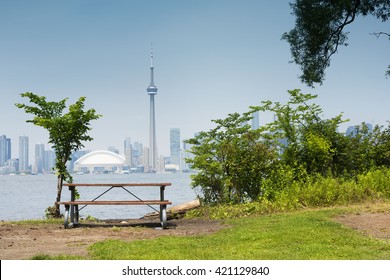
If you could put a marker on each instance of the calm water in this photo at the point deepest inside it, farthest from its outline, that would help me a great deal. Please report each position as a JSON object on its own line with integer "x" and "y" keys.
{"x": 27, "y": 197}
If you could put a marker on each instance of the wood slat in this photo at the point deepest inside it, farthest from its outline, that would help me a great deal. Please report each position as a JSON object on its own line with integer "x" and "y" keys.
{"x": 117, "y": 202}
{"x": 117, "y": 184}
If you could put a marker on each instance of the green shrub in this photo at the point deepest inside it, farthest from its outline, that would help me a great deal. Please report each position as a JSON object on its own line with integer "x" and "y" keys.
{"x": 376, "y": 182}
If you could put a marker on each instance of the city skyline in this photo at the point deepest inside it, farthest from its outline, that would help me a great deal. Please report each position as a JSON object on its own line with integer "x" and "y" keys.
{"x": 39, "y": 157}
{"x": 214, "y": 58}
{"x": 131, "y": 151}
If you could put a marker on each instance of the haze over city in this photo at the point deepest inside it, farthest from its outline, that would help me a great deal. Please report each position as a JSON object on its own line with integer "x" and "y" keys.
{"x": 211, "y": 58}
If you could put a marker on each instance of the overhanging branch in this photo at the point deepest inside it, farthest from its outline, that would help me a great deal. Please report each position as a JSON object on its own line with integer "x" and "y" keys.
{"x": 379, "y": 34}
{"x": 349, "y": 18}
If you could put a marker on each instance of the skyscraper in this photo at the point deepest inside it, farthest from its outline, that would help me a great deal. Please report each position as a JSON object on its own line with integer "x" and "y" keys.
{"x": 255, "y": 120}
{"x": 186, "y": 155}
{"x": 175, "y": 146}
{"x": 23, "y": 154}
{"x": 152, "y": 91}
{"x": 39, "y": 158}
{"x": 113, "y": 149}
{"x": 5, "y": 150}
{"x": 3, "y": 139}
{"x": 127, "y": 150}
{"x": 353, "y": 130}
{"x": 50, "y": 161}
{"x": 137, "y": 154}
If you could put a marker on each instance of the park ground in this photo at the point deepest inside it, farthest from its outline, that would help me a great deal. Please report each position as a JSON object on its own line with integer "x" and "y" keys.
{"x": 25, "y": 240}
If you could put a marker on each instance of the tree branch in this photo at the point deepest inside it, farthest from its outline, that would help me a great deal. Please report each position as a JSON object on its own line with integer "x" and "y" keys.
{"x": 350, "y": 17}
{"x": 378, "y": 34}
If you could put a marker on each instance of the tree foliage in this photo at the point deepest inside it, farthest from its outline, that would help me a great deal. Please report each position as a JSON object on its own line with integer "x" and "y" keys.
{"x": 320, "y": 30}
{"x": 67, "y": 131}
{"x": 231, "y": 161}
{"x": 236, "y": 164}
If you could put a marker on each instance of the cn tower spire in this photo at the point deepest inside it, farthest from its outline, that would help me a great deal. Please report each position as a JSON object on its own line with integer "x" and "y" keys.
{"x": 151, "y": 55}
{"x": 152, "y": 91}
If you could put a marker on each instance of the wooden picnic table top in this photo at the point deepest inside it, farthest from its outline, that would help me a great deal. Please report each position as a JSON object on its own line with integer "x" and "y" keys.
{"x": 117, "y": 184}
{"x": 117, "y": 202}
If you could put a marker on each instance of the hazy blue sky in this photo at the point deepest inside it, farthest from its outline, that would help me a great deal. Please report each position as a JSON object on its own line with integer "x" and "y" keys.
{"x": 211, "y": 58}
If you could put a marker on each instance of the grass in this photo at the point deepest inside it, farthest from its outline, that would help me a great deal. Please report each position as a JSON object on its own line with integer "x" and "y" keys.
{"x": 35, "y": 222}
{"x": 301, "y": 235}
{"x": 43, "y": 257}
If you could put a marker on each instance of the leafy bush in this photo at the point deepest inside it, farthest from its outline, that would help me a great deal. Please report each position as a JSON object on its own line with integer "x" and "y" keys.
{"x": 295, "y": 161}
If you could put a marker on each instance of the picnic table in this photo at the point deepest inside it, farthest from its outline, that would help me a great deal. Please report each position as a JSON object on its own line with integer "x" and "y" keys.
{"x": 71, "y": 215}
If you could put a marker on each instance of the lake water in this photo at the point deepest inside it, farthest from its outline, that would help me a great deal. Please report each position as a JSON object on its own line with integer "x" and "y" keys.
{"x": 27, "y": 197}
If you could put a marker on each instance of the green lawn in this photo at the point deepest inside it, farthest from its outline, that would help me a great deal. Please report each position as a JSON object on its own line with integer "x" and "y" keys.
{"x": 299, "y": 235}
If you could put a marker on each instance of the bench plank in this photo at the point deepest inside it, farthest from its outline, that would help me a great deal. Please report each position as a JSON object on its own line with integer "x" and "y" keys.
{"x": 118, "y": 185}
{"x": 117, "y": 202}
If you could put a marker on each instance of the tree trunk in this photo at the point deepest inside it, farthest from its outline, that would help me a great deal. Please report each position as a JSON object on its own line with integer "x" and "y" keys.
{"x": 60, "y": 181}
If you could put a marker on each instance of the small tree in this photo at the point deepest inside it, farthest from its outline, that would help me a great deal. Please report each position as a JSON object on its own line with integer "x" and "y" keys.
{"x": 67, "y": 132}
{"x": 231, "y": 160}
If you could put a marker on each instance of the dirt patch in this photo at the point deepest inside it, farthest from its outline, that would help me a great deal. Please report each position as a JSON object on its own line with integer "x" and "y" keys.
{"x": 21, "y": 241}
{"x": 376, "y": 225}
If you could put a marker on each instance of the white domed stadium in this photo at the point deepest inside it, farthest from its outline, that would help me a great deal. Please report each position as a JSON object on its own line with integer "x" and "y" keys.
{"x": 100, "y": 161}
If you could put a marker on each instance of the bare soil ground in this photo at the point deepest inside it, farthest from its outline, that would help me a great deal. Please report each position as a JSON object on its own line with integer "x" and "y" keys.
{"x": 22, "y": 241}
{"x": 376, "y": 225}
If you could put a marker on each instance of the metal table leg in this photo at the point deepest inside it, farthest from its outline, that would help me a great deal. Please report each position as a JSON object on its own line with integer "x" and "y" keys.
{"x": 66, "y": 216}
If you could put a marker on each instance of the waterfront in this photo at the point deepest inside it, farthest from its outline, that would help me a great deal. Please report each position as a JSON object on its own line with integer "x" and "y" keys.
{"x": 27, "y": 197}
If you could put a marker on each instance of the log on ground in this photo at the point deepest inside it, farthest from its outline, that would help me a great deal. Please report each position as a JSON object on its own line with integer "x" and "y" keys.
{"x": 177, "y": 211}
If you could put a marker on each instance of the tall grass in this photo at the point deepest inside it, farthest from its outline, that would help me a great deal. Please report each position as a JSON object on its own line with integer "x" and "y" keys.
{"x": 314, "y": 191}
{"x": 328, "y": 191}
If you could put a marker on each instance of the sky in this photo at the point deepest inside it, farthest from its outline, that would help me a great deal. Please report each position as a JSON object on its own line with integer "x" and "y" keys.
{"x": 211, "y": 58}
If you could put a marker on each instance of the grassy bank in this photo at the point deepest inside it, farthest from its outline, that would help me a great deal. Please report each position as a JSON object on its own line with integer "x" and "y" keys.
{"x": 309, "y": 234}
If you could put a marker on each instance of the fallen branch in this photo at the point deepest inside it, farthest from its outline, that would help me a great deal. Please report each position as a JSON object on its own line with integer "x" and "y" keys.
{"x": 176, "y": 211}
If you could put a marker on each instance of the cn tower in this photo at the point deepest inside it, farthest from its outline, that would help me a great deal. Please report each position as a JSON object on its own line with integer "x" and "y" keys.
{"x": 152, "y": 91}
